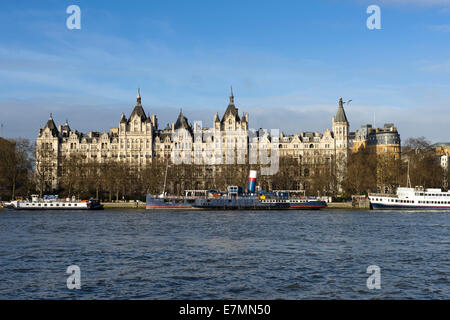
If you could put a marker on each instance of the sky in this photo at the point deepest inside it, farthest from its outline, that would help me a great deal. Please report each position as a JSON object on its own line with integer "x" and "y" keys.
{"x": 289, "y": 62}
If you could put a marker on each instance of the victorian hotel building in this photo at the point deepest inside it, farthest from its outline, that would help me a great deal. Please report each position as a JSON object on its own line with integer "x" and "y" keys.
{"x": 139, "y": 141}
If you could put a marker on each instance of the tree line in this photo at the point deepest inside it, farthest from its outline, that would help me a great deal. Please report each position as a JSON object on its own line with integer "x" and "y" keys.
{"x": 366, "y": 172}
{"x": 370, "y": 173}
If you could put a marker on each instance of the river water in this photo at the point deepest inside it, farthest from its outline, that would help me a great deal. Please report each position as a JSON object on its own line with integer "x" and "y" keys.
{"x": 138, "y": 254}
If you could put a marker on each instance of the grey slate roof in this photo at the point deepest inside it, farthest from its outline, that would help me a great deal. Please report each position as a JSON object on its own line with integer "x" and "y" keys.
{"x": 182, "y": 123}
{"x": 138, "y": 110}
{"x": 231, "y": 109}
{"x": 51, "y": 125}
{"x": 340, "y": 115}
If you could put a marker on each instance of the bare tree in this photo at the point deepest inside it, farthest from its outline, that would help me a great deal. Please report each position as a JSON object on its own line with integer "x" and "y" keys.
{"x": 15, "y": 165}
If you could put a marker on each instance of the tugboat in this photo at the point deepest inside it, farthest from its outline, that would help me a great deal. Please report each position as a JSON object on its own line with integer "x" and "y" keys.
{"x": 236, "y": 199}
{"x": 51, "y": 202}
{"x": 233, "y": 199}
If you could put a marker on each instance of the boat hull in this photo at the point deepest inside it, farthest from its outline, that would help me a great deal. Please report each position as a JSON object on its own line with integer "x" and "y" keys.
{"x": 45, "y": 206}
{"x": 255, "y": 204}
{"x": 311, "y": 205}
{"x": 382, "y": 206}
{"x": 153, "y": 203}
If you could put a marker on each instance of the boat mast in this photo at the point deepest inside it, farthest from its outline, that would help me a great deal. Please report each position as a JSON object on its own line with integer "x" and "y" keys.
{"x": 165, "y": 178}
{"x": 408, "y": 181}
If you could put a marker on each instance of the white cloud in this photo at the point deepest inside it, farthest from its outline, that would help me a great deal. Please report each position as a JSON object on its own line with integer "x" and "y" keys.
{"x": 440, "y": 28}
{"x": 429, "y": 66}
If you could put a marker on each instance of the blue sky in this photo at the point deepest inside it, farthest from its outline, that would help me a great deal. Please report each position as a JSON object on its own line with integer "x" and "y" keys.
{"x": 288, "y": 62}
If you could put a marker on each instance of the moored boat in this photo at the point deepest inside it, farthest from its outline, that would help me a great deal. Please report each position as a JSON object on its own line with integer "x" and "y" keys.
{"x": 416, "y": 198}
{"x": 254, "y": 203}
{"x": 168, "y": 203}
{"x": 51, "y": 202}
{"x": 235, "y": 199}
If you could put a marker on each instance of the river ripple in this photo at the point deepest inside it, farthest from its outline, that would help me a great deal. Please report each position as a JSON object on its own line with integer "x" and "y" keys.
{"x": 138, "y": 254}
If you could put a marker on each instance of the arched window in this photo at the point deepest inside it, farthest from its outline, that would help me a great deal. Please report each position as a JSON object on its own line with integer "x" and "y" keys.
{"x": 306, "y": 172}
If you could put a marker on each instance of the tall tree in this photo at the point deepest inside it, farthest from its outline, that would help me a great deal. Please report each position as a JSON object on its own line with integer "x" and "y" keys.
{"x": 16, "y": 165}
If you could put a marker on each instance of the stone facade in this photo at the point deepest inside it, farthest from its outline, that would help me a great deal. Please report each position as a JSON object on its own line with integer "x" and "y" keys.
{"x": 138, "y": 140}
{"x": 381, "y": 141}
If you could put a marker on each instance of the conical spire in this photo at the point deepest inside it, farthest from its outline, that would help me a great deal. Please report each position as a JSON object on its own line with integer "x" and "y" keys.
{"x": 51, "y": 125}
{"x": 340, "y": 115}
{"x": 66, "y": 125}
{"x": 138, "y": 108}
{"x": 231, "y": 109}
{"x": 231, "y": 96}
{"x": 182, "y": 122}
{"x": 138, "y": 99}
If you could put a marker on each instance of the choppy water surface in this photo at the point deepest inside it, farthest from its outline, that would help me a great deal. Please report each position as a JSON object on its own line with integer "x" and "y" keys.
{"x": 137, "y": 254}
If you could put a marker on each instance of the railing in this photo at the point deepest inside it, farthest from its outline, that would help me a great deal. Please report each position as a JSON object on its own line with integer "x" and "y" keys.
{"x": 383, "y": 195}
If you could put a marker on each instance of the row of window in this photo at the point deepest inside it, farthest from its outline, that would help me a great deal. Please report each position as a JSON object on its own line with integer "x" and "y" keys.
{"x": 433, "y": 195}
{"x": 50, "y": 204}
{"x": 412, "y": 201}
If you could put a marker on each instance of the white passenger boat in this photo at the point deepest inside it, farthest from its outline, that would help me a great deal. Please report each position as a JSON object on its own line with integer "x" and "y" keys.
{"x": 53, "y": 203}
{"x": 416, "y": 198}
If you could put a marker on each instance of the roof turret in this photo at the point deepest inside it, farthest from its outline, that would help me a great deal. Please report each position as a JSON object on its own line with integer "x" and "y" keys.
{"x": 340, "y": 115}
